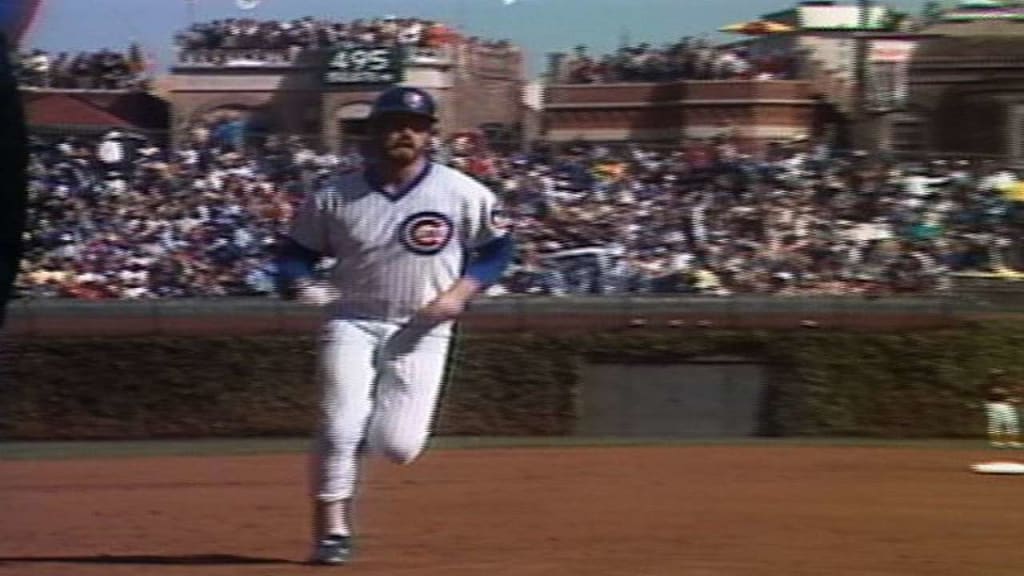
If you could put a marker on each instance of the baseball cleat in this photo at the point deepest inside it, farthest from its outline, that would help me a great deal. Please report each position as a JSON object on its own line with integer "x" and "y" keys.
{"x": 333, "y": 550}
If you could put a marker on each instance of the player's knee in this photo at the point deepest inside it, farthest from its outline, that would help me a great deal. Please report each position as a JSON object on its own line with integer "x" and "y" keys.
{"x": 401, "y": 452}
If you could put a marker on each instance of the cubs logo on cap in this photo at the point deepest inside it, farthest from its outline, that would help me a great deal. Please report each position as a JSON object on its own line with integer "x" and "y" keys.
{"x": 413, "y": 100}
{"x": 405, "y": 100}
{"x": 425, "y": 233}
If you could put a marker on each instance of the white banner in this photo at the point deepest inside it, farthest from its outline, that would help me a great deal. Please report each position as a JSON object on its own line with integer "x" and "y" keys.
{"x": 891, "y": 50}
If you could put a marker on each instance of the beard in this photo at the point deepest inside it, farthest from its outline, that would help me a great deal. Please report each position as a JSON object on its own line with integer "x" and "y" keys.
{"x": 403, "y": 152}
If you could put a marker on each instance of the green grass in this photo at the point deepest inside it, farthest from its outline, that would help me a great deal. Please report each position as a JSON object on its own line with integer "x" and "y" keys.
{"x": 261, "y": 446}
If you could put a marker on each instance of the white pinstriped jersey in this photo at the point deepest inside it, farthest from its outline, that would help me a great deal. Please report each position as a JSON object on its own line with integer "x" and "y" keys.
{"x": 395, "y": 254}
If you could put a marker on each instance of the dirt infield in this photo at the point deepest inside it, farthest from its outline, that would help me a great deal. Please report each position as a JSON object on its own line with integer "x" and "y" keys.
{"x": 653, "y": 511}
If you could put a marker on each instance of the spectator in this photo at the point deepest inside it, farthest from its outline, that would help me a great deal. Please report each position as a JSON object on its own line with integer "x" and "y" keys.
{"x": 688, "y": 59}
{"x": 104, "y": 69}
{"x": 261, "y": 40}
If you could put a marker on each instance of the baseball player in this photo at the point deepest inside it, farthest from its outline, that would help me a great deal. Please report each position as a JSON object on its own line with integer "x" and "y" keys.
{"x": 413, "y": 242}
{"x": 1001, "y": 412}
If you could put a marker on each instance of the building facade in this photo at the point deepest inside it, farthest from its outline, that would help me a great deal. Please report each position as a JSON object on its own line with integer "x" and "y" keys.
{"x": 325, "y": 95}
{"x": 967, "y": 88}
{"x": 818, "y": 99}
{"x": 751, "y": 113}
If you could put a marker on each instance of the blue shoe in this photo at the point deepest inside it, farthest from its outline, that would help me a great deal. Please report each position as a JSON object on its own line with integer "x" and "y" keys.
{"x": 333, "y": 550}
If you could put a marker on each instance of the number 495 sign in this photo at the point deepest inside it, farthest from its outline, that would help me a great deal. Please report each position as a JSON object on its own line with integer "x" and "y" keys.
{"x": 364, "y": 65}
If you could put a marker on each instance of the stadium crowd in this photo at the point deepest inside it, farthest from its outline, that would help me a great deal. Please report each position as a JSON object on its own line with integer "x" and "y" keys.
{"x": 688, "y": 59}
{"x": 103, "y": 70}
{"x": 123, "y": 217}
{"x": 309, "y": 32}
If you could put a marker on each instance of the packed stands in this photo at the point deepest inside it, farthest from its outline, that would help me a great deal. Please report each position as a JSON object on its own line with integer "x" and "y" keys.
{"x": 688, "y": 59}
{"x": 121, "y": 217}
{"x": 309, "y": 32}
{"x": 234, "y": 41}
{"x": 101, "y": 70}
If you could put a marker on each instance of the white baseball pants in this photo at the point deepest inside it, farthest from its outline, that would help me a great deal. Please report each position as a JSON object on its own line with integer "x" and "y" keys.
{"x": 381, "y": 383}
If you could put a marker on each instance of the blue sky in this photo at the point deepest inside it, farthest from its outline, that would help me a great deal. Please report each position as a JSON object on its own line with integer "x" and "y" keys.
{"x": 539, "y": 26}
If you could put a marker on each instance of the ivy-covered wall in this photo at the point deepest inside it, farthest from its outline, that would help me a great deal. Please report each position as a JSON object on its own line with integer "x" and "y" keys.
{"x": 885, "y": 384}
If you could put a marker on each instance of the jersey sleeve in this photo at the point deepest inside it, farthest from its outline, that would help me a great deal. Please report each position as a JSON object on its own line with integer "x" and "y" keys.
{"x": 489, "y": 221}
{"x": 309, "y": 227}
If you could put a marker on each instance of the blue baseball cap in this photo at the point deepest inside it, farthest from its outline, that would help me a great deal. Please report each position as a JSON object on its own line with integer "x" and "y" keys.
{"x": 405, "y": 100}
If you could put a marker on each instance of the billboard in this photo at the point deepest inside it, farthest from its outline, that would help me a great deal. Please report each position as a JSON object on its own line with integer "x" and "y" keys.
{"x": 364, "y": 65}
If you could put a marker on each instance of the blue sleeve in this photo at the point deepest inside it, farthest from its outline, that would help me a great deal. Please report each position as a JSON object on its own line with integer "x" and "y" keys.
{"x": 491, "y": 260}
{"x": 294, "y": 262}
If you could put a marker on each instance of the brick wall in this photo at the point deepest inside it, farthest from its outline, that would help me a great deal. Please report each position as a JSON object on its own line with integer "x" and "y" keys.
{"x": 488, "y": 87}
{"x": 756, "y": 111}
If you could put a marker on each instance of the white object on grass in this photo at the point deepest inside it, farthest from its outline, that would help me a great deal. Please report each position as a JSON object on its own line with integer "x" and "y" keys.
{"x": 998, "y": 468}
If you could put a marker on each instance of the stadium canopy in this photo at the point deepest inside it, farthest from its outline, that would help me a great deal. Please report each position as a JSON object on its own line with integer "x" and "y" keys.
{"x": 757, "y": 28}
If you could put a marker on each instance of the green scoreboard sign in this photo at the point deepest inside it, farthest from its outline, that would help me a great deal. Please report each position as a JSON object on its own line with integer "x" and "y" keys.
{"x": 364, "y": 65}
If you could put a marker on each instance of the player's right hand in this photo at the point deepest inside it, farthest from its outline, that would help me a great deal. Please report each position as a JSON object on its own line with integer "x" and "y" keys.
{"x": 444, "y": 307}
{"x": 450, "y": 303}
{"x": 316, "y": 293}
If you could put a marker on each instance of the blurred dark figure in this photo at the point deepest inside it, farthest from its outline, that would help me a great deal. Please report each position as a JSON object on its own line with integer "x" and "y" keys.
{"x": 13, "y": 175}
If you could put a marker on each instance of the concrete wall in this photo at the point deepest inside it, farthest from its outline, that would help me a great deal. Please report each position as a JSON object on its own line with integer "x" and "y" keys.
{"x": 714, "y": 398}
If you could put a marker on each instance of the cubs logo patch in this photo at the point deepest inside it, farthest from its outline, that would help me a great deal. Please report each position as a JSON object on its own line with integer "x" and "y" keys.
{"x": 426, "y": 232}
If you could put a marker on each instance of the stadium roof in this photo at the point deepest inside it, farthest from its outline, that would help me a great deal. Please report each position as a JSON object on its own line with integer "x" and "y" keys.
{"x": 94, "y": 109}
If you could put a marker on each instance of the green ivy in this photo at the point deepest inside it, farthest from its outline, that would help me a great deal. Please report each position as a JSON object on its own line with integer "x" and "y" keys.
{"x": 896, "y": 384}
